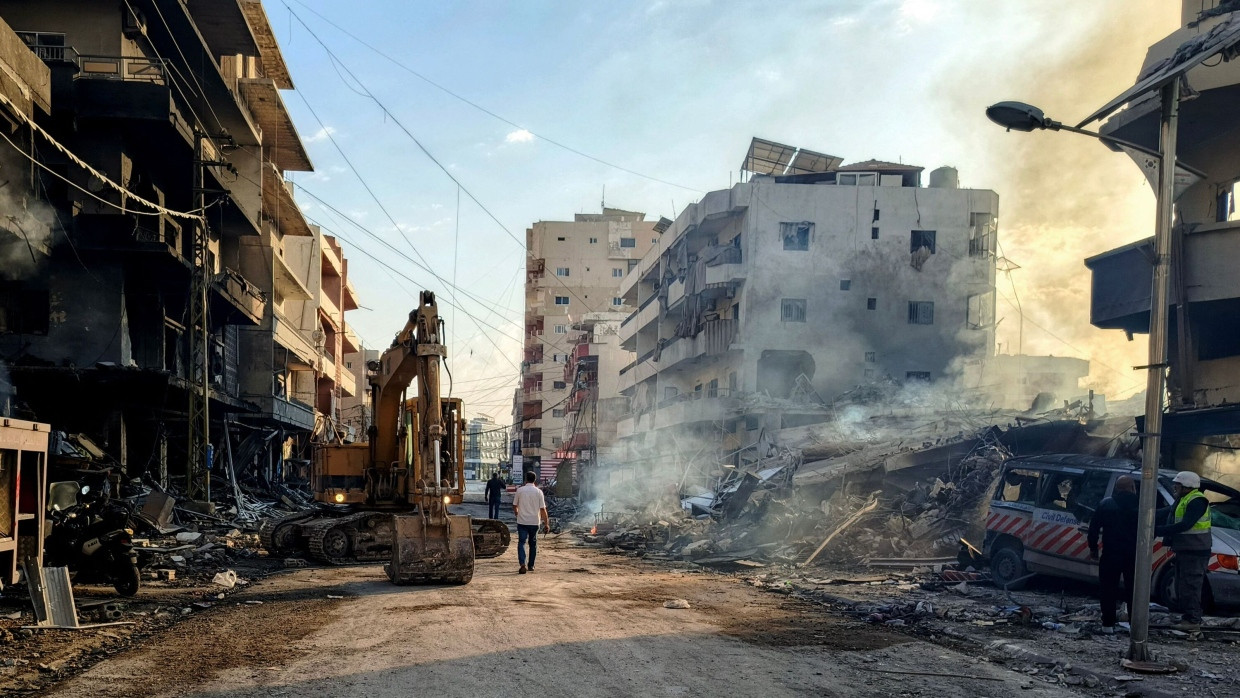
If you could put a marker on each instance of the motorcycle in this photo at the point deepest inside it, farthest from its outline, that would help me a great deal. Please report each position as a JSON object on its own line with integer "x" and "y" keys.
{"x": 92, "y": 537}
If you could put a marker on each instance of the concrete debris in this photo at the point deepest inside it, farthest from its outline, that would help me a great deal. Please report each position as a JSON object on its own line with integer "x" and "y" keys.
{"x": 226, "y": 579}
{"x": 676, "y": 603}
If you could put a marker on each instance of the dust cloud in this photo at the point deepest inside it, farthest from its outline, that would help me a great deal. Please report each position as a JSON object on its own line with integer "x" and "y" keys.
{"x": 26, "y": 221}
{"x": 1063, "y": 197}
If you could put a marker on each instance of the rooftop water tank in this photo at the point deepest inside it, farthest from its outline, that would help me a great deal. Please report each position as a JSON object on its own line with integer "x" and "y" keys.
{"x": 945, "y": 178}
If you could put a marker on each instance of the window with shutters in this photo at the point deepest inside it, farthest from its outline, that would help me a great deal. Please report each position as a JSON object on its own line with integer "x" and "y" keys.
{"x": 792, "y": 310}
{"x": 921, "y": 312}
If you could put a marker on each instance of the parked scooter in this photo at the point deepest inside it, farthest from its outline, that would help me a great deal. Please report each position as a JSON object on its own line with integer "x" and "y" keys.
{"x": 92, "y": 537}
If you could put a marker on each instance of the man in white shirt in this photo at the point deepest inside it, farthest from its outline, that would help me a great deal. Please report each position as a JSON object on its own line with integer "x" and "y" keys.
{"x": 531, "y": 510}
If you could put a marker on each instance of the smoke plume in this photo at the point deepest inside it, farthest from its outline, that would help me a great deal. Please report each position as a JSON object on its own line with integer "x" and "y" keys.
{"x": 26, "y": 223}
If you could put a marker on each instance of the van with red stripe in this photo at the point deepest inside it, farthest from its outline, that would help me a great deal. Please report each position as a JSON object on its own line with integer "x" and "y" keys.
{"x": 1040, "y": 511}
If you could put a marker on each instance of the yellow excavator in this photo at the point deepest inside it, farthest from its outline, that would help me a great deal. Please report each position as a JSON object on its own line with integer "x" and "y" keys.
{"x": 387, "y": 499}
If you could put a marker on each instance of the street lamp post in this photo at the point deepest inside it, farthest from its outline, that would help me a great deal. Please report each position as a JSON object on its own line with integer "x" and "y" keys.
{"x": 1023, "y": 117}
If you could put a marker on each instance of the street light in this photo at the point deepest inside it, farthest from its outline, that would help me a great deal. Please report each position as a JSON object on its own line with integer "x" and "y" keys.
{"x": 1024, "y": 117}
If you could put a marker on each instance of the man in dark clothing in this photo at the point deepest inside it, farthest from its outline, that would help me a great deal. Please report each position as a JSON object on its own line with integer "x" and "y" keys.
{"x": 495, "y": 489}
{"x": 1187, "y": 533}
{"x": 1116, "y": 518}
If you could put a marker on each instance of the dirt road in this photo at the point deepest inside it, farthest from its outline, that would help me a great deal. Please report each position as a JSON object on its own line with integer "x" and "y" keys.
{"x": 585, "y": 624}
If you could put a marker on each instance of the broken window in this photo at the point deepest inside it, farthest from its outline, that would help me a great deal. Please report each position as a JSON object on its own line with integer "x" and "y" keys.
{"x": 871, "y": 304}
{"x": 921, "y": 238}
{"x": 792, "y": 310}
{"x": 921, "y": 312}
{"x": 917, "y": 376}
{"x": 628, "y": 242}
{"x": 1061, "y": 491}
{"x": 871, "y": 356}
{"x": 1019, "y": 486}
{"x": 23, "y": 310}
{"x": 981, "y": 234}
{"x": 981, "y": 311}
{"x": 561, "y": 300}
{"x": 561, "y": 271}
{"x": 845, "y": 284}
{"x": 796, "y": 235}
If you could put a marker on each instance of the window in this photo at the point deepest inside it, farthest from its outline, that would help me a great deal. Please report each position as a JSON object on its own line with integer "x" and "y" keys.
{"x": 561, "y": 271}
{"x": 557, "y": 412}
{"x": 617, "y": 273}
{"x": 921, "y": 238}
{"x": 670, "y": 392}
{"x": 593, "y": 241}
{"x": 871, "y": 357}
{"x": 561, "y": 329}
{"x": 981, "y": 311}
{"x": 921, "y": 312}
{"x": 559, "y": 358}
{"x": 24, "y": 310}
{"x": 917, "y": 376}
{"x": 874, "y": 233}
{"x": 869, "y": 373}
{"x": 558, "y": 385}
{"x": 875, "y": 214}
{"x": 860, "y": 179}
{"x": 792, "y": 310}
{"x": 981, "y": 234}
{"x": 628, "y": 242}
{"x": 732, "y": 382}
{"x": 617, "y": 301}
{"x": 1092, "y": 492}
{"x": 48, "y": 46}
{"x": 556, "y": 441}
{"x": 1061, "y": 490}
{"x": 871, "y": 304}
{"x": 561, "y": 300}
{"x": 560, "y": 239}
{"x": 712, "y": 388}
{"x": 1019, "y": 486}
{"x": 796, "y": 235}
{"x": 845, "y": 284}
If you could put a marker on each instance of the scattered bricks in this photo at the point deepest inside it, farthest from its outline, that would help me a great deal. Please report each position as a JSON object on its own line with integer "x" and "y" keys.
{"x": 167, "y": 575}
{"x": 291, "y": 562}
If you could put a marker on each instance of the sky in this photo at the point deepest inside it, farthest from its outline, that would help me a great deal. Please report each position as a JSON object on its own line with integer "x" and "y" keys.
{"x": 659, "y": 99}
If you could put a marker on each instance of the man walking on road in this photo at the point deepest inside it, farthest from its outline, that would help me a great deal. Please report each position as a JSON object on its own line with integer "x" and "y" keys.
{"x": 495, "y": 490}
{"x": 531, "y": 510}
{"x": 1116, "y": 518}
{"x": 1187, "y": 532}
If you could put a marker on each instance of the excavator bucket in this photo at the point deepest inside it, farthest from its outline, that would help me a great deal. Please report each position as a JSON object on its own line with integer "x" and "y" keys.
{"x": 424, "y": 553}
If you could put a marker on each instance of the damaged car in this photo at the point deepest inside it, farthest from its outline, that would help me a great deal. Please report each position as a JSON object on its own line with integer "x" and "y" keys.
{"x": 1041, "y": 508}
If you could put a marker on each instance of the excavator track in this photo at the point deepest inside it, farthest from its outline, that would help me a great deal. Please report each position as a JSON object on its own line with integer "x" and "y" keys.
{"x": 491, "y": 537}
{"x": 280, "y": 536}
{"x": 347, "y": 540}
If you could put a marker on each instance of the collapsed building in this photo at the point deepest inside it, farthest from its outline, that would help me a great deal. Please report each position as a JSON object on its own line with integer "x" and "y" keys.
{"x": 170, "y": 297}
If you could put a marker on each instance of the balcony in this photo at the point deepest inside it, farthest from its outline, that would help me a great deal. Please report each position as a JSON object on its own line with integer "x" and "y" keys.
{"x": 279, "y": 204}
{"x": 235, "y": 300}
{"x": 329, "y": 310}
{"x": 287, "y": 282}
{"x": 122, "y": 87}
{"x": 351, "y": 343}
{"x": 284, "y": 147}
{"x": 714, "y": 339}
{"x": 684, "y": 409}
{"x": 332, "y": 263}
{"x": 350, "y": 295}
{"x": 288, "y": 336}
{"x": 293, "y": 413}
{"x": 535, "y": 270}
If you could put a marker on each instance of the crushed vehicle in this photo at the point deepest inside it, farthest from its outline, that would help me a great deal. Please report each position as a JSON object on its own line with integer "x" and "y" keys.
{"x": 1041, "y": 508}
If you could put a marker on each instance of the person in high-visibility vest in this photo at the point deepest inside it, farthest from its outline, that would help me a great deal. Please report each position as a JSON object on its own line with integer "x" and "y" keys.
{"x": 1187, "y": 533}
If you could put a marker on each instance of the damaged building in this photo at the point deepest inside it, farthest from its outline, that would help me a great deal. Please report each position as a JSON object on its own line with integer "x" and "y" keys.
{"x": 764, "y": 303}
{"x": 157, "y": 160}
{"x": 1204, "y": 339}
{"x": 572, "y": 268}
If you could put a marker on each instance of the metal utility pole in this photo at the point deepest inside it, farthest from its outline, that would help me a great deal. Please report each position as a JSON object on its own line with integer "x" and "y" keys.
{"x": 197, "y": 477}
{"x": 1138, "y": 648}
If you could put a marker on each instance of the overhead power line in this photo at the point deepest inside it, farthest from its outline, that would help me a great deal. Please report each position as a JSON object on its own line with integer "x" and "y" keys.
{"x": 479, "y": 107}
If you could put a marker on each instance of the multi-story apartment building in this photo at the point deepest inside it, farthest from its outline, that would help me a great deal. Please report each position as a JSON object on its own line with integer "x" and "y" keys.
{"x": 595, "y": 404}
{"x": 484, "y": 448}
{"x": 1204, "y": 344}
{"x": 764, "y": 301}
{"x": 573, "y": 268}
{"x": 177, "y": 103}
